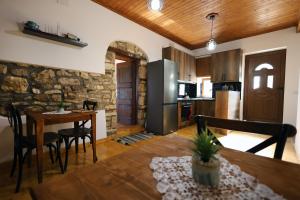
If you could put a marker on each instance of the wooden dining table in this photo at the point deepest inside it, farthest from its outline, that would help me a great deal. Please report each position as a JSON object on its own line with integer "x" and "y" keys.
{"x": 38, "y": 120}
{"x": 128, "y": 175}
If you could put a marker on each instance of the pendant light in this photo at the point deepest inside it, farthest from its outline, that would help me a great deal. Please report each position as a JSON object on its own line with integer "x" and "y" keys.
{"x": 211, "y": 44}
{"x": 155, "y": 5}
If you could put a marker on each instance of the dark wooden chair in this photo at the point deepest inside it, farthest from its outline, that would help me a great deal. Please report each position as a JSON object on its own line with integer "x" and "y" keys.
{"x": 278, "y": 132}
{"x": 70, "y": 135}
{"x": 29, "y": 143}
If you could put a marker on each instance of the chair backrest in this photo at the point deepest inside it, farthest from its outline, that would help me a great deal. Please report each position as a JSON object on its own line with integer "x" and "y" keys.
{"x": 278, "y": 132}
{"x": 15, "y": 121}
{"x": 89, "y": 105}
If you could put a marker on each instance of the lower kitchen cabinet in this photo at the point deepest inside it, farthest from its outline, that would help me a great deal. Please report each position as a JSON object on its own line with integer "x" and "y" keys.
{"x": 205, "y": 107}
{"x": 188, "y": 109}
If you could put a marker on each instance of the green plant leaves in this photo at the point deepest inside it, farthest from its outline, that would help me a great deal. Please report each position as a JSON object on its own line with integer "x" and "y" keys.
{"x": 205, "y": 146}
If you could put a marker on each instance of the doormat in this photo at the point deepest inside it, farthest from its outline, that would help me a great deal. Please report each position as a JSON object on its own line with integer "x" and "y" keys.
{"x": 131, "y": 139}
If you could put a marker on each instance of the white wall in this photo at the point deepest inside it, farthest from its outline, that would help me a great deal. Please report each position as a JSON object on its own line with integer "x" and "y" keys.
{"x": 297, "y": 138}
{"x": 93, "y": 23}
{"x": 288, "y": 39}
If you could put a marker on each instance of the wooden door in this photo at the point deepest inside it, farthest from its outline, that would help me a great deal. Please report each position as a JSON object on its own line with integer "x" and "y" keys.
{"x": 126, "y": 92}
{"x": 264, "y": 86}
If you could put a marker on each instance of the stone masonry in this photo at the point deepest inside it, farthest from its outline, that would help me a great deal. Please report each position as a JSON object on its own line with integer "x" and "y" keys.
{"x": 39, "y": 88}
{"x": 133, "y": 51}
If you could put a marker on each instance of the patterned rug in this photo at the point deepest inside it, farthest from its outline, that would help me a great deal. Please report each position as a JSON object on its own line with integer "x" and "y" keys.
{"x": 131, "y": 139}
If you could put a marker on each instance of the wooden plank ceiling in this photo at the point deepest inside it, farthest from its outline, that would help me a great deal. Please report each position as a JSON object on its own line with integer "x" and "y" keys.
{"x": 184, "y": 22}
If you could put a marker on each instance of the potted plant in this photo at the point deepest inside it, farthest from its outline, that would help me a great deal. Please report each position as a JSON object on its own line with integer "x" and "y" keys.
{"x": 205, "y": 166}
{"x": 61, "y": 105}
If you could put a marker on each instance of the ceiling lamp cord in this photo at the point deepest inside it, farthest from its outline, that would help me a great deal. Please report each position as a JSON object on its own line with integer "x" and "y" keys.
{"x": 212, "y": 27}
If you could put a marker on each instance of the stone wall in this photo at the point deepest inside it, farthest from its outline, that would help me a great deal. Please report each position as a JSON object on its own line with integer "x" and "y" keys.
{"x": 39, "y": 87}
{"x": 131, "y": 50}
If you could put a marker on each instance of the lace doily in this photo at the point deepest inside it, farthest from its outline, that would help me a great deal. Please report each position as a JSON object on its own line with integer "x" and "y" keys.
{"x": 175, "y": 182}
{"x": 57, "y": 113}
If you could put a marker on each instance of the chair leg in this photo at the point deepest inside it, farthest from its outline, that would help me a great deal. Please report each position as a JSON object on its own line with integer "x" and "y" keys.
{"x": 83, "y": 138}
{"x": 19, "y": 179}
{"x": 51, "y": 154}
{"x": 14, "y": 163}
{"x": 58, "y": 156}
{"x": 67, "y": 153}
{"x": 76, "y": 144}
{"x": 60, "y": 140}
{"x": 29, "y": 158}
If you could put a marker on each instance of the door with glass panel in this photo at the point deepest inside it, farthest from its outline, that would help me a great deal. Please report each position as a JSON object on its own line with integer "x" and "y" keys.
{"x": 264, "y": 86}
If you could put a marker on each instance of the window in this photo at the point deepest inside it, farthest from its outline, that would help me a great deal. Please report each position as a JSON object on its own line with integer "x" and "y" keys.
{"x": 263, "y": 66}
{"x": 204, "y": 87}
{"x": 256, "y": 82}
{"x": 181, "y": 89}
{"x": 270, "y": 81}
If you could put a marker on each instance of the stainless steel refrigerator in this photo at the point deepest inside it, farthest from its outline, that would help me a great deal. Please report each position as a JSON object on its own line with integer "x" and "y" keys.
{"x": 162, "y": 111}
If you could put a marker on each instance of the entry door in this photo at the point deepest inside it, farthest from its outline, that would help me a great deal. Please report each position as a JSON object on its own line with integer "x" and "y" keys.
{"x": 264, "y": 86}
{"x": 126, "y": 93}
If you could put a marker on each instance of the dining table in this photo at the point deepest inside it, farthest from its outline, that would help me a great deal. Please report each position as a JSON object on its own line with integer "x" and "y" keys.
{"x": 128, "y": 175}
{"x": 36, "y": 121}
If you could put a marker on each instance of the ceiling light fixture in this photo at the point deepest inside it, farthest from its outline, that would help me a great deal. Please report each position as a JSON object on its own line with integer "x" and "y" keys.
{"x": 211, "y": 44}
{"x": 155, "y": 5}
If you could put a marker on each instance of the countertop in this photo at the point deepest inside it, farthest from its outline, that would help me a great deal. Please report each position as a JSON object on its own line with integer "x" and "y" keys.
{"x": 196, "y": 99}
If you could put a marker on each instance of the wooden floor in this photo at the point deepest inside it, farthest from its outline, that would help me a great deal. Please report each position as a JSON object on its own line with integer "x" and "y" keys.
{"x": 108, "y": 148}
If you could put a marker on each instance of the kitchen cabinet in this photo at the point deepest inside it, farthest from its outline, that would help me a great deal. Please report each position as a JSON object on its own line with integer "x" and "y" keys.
{"x": 203, "y": 66}
{"x": 226, "y": 66}
{"x": 205, "y": 107}
{"x": 192, "y": 68}
{"x": 186, "y": 63}
{"x": 195, "y": 107}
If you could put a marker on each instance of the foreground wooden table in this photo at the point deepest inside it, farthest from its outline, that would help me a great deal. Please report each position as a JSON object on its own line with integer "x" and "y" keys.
{"x": 128, "y": 176}
{"x": 40, "y": 120}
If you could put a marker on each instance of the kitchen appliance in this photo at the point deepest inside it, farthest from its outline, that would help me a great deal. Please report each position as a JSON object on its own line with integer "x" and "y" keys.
{"x": 186, "y": 112}
{"x": 162, "y": 112}
{"x": 187, "y": 89}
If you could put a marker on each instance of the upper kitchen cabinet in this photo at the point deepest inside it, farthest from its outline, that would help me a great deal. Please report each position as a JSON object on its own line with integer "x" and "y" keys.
{"x": 203, "y": 66}
{"x": 190, "y": 68}
{"x": 226, "y": 66}
{"x": 186, "y": 63}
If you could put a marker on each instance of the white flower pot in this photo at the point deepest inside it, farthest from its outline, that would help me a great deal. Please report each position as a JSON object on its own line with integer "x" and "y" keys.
{"x": 61, "y": 110}
{"x": 206, "y": 173}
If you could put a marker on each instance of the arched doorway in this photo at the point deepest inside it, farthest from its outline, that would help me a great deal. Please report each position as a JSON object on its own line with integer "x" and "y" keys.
{"x": 126, "y": 58}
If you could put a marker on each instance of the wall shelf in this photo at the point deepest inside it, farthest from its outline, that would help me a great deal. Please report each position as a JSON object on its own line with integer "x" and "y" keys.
{"x": 54, "y": 37}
